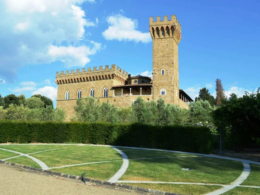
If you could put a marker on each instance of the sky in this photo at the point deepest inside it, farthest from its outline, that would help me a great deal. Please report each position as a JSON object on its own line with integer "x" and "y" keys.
{"x": 220, "y": 40}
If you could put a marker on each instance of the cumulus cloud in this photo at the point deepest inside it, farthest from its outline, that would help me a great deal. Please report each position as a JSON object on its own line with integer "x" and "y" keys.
{"x": 2, "y": 81}
{"x": 146, "y": 73}
{"x": 47, "y": 82}
{"x": 239, "y": 91}
{"x": 193, "y": 92}
{"x": 123, "y": 28}
{"x": 48, "y": 91}
{"x": 73, "y": 55}
{"x": 209, "y": 85}
{"x": 24, "y": 87}
{"x": 35, "y": 25}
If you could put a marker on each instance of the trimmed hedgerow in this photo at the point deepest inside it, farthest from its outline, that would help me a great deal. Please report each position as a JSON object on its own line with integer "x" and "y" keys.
{"x": 182, "y": 138}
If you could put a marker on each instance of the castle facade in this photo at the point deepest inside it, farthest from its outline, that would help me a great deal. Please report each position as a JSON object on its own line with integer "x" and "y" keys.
{"x": 120, "y": 88}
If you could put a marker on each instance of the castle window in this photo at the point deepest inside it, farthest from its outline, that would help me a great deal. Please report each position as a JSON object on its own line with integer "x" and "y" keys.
{"x": 168, "y": 31}
{"x": 135, "y": 81}
{"x": 67, "y": 95}
{"x": 105, "y": 92}
{"x": 158, "y": 32}
{"x": 79, "y": 94}
{"x": 92, "y": 93}
{"x": 162, "y": 30}
{"x": 162, "y": 72}
{"x": 163, "y": 92}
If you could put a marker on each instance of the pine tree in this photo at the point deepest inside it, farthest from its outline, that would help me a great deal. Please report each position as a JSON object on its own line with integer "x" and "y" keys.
{"x": 220, "y": 92}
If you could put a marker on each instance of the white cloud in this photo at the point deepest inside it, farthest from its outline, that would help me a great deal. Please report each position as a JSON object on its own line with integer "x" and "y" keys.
{"x": 47, "y": 82}
{"x": 28, "y": 83}
{"x": 209, "y": 85}
{"x": 73, "y": 56}
{"x": 48, "y": 91}
{"x": 35, "y": 25}
{"x": 193, "y": 92}
{"x": 123, "y": 28}
{"x": 146, "y": 73}
{"x": 2, "y": 81}
{"x": 239, "y": 91}
{"x": 25, "y": 86}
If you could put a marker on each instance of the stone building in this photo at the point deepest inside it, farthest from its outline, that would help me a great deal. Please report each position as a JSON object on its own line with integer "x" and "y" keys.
{"x": 120, "y": 88}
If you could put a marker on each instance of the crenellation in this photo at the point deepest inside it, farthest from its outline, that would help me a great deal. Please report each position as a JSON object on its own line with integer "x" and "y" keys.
{"x": 72, "y": 72}
{"x": 165, "y": 18}
{"x": 95, "y": 68}
{"x": 83, "y": 70}
{"x": 100, "y": 67}
{"x": 158, "y": 19}
{"x": 165, "y": 21}
{"x": 89, "y": 70}
{"x": 107, "y": 67}
{"x": 113, "y": 67}
{"x": 78, "y": 70}
{"x": 67, "y": 72}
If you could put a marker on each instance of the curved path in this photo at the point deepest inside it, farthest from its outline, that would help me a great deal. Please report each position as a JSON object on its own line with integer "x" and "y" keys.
{"x": 123, "y": 169}
{"x": 42, "y": 164}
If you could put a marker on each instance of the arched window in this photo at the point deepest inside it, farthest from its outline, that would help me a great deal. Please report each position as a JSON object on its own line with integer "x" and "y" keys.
{"x": 168, "y": 31}
{"x": 67, "y": 95}
{"x": 105, "y": 94}
{"x": 162, "y": 31}
{"x": 79, "y": 94}
{"x": 92, "y": 93}
{"x": 158, "y": 32}
{"x": 163, "y": 92}
{"x": 162, "y": 72}
{"x": 153, "y": 31}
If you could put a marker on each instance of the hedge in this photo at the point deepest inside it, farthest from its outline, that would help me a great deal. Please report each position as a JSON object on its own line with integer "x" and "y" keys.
{"x": 182, "y": 138}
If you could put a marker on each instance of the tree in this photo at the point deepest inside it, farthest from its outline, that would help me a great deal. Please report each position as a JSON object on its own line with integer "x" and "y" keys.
{"x": 2, "y": 103}
{"x": 240, "y": 117}
{"x": 219, "y": 92}
{"x": 11, "y": 99}
{"x": 47, "y": 101}
{"x": 205, "y": 95}
{"x": 34, "y": 102}
{"x": 21, "y": 99}
{"x": 87, "y": 109}
{"x": 108, "y": 113}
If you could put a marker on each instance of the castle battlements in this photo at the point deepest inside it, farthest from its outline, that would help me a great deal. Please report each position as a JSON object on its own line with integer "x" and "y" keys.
{"x": 114, "y": 72}
{"x": 94, "y": 72}
{"x": 165, "y": 22}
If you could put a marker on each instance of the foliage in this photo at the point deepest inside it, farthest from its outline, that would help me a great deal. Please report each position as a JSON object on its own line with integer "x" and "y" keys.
{"x": 47, "y": 101}
{"x": 21, "y": 99}
{"x": 220, "y": 92}
{"x": 34, "y": 102}
{"x": 205, "y": 95}
{"x": 11, "y": 99}
{"x": 2, "y": 103}
{"x": 240, "y": 117}
{"x": 184, "y": 138}
{"x": 200, "y": 112}
{"x": 14, "y": 112}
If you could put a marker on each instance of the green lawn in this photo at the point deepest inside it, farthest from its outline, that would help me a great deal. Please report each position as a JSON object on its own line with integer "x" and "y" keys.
{"x": 243, "y": 191}
{"x": 95, "y": 171}
{"x": 179, "y": 189}
{"x": 5, "y": 154}
{"x": 254, "y": 177}
{"x": 30, "y": 148}
{"x": 78, "y": 154}
{"x": 154, "y": 166}
{"x": 24, "y": 161}
{"x": 204, "y": 169}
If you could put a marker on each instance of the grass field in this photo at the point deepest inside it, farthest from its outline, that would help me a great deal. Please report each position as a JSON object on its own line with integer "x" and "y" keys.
{"x": 144, "y": 165}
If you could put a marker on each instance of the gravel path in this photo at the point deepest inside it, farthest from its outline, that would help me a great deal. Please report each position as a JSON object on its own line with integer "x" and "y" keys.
{"x": 14, "y": 181}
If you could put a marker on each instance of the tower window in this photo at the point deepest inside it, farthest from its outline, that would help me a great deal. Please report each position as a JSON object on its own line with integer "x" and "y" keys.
{"x": 162, "y": 72}
{"x": 92, "y": 93}
{"x": 67, "y": 95}
{"x": 135, "y": 81}
{"x": 105, "y": 92}
{"x": 163, "y": 92}
{"x": 79, "y": 94}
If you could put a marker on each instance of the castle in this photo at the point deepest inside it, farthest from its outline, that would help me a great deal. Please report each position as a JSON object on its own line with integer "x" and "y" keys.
{"x": 120, "y": 88}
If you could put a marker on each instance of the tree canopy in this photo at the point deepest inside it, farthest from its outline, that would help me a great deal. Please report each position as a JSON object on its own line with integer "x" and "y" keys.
{"x": 205, "y": 95}
{"x": 47, "y": 101}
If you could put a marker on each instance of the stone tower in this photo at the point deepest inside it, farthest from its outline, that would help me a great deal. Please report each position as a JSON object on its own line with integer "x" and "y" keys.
{"x": 166, "y": 36}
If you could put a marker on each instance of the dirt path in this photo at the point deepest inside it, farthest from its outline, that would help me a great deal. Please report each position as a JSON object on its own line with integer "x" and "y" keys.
{"x": 18, "y": 181}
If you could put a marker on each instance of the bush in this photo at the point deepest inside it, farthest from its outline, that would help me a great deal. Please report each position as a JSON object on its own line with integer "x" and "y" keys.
{"x": 183, "y": 138}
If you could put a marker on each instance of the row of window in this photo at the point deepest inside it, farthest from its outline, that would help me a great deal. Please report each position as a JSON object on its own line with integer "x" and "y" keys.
{"x": 92, "y": 93}
{"x": 105, "y": 93}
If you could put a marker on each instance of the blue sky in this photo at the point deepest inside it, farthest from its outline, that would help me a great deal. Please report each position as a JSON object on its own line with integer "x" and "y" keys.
{"x": 220, "y": 39}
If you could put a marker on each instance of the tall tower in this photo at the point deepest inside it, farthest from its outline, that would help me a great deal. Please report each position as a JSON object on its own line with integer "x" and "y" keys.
{"x": 166, "y": 36}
